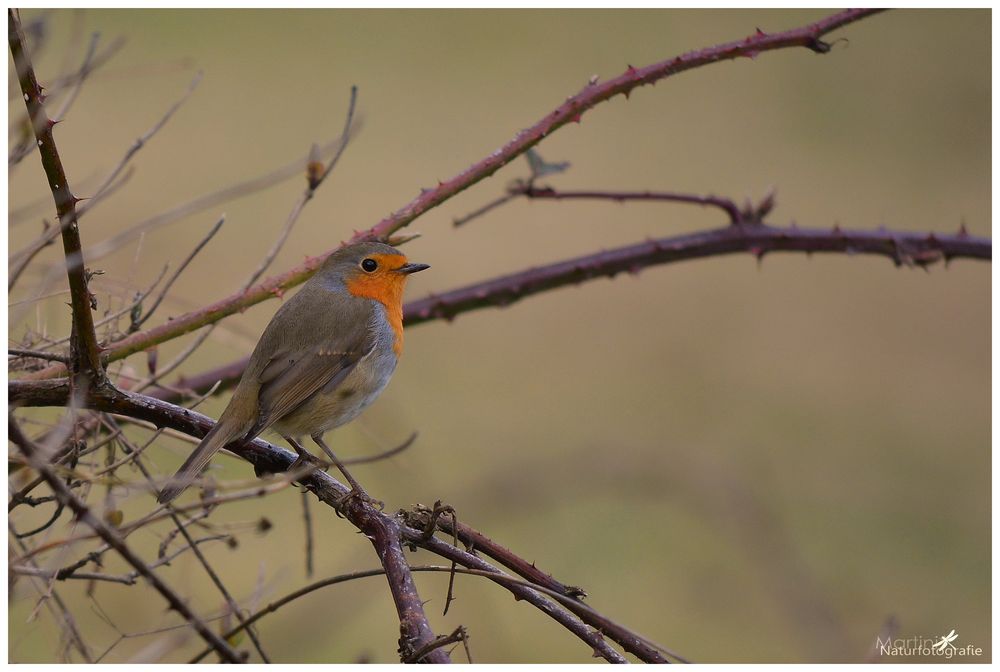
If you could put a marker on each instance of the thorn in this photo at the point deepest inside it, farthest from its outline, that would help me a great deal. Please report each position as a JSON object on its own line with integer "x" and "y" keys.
{"x": 766, "y": 205}
{"x": 278, "y": 292}
{"x": 962, "y": 231}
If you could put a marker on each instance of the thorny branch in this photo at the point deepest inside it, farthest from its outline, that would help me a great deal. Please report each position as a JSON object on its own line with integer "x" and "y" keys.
{"x": 903, "y": 248}
{"x": 86, "y": 352}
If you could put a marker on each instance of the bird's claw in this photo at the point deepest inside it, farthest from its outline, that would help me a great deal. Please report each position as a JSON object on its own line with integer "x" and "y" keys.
{"x": 361, "y": 495}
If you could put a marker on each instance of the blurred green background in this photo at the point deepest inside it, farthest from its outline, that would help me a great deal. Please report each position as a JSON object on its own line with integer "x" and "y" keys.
{"x": 743, "y": 462}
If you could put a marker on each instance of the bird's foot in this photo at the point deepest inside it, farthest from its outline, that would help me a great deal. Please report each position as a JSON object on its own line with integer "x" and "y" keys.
{"x": 305, "y": 460}
{"x": 359, "y": 493}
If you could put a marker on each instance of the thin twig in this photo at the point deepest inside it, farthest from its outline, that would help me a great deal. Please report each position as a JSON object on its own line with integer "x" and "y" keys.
{"x": 61, "y": 611}
{"x": 110, "y": 536}
{"x": 459, "y": 634}
{"x": 314, "y": 182}
{"x": 384, "y": 455}
{"x": 141, "y": 142}
{"x": 541, "y": 193}
{"x": 308, "y": 525}
{"x": 502, "y": 579}
{"x": 38, "y": 354}
{"x": 89, "y": 576}
{"x": 180, "y": 269}
{"x": 79, "y": 79}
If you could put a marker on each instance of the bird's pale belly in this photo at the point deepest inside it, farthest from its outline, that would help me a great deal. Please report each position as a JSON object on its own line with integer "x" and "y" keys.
{"x": 328, "y": 409}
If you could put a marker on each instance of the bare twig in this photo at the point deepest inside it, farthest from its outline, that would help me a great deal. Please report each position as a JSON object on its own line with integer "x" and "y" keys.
{"x": 180, "y": 269}
{"x": 539, "y": 193}
{"x": 459, "y": 634}
{"x": 110, "y": 536}
{"x": 88, "y": 576}
{"x": 316, "y": 174}
{"x": 61, "y": 612}
{"x": 38, "y": 354}
{"x": 139, "y": 143}
{"x": 501, "y": 579}
{"x": 476, "y": 541}
{"x": 384, "y": 455}
{"x": 308, "y": 525}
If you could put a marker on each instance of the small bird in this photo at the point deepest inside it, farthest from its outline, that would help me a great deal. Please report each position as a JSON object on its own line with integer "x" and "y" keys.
{"x": 323, "y": 358}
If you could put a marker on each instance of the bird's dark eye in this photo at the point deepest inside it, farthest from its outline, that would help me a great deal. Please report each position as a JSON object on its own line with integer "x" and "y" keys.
{"x": 369, "y": 265}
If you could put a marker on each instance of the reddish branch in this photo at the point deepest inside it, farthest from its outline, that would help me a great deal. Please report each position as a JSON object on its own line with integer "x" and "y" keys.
{"x": 903, "y": 248}
{"x": 910, "y": 249}
{"x": 594, "y": 93}
{"x": 86, "y": 352}
{"x": 569, "y": 111}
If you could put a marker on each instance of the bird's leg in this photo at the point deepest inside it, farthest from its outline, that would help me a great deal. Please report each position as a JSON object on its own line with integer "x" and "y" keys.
{"x": 304, "y": 456}
{"x": 356, "y": 489}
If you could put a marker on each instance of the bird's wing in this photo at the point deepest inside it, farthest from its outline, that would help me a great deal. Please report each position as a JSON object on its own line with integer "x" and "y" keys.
{"x": 291, "y": 378}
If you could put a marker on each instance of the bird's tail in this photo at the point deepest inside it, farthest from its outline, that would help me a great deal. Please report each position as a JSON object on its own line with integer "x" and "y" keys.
{"x": 217, "y": 437}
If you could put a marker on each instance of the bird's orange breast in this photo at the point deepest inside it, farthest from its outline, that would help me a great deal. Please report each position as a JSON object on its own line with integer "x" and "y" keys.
{"x": 385, "y": 285}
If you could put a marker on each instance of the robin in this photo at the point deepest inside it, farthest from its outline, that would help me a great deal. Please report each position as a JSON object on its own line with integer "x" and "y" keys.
{"x": 324, "y": 357}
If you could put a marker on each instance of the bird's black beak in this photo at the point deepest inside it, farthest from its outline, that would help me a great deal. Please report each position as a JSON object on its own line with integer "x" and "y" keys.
{"x": 406, "y": 269}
